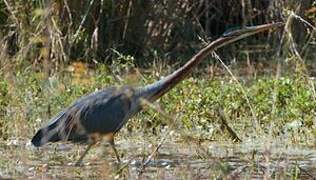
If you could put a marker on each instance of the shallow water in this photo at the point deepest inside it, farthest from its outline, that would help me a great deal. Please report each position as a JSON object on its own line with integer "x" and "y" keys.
{"x": 174, "y": 160}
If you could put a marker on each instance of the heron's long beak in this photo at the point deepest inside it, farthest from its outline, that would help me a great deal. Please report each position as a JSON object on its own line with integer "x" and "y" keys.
{"x": 245, "y": 32}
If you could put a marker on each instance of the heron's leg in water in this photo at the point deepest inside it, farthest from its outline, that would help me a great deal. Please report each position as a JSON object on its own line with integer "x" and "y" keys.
{"x": 78, "y": 163}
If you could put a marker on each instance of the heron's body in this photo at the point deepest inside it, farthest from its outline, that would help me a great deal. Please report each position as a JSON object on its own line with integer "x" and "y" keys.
{"x": 103, "y": 113}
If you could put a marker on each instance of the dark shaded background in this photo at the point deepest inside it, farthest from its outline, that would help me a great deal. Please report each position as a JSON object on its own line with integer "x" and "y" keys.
{"x": 54, "y": 32}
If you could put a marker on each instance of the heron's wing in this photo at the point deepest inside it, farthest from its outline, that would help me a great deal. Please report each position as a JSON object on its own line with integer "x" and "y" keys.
{"x": 106, "y": 111}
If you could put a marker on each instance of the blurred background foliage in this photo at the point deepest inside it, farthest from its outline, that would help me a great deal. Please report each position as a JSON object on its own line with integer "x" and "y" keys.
{"x": 49, "y": 33}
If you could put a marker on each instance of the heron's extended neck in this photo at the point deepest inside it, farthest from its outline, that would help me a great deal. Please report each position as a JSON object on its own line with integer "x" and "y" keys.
{"x": 159, "y": 88}
{"x": 154, "y": 91}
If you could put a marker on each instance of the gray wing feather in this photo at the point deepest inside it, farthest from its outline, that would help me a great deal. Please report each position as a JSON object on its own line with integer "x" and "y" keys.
{"x": 105, "y": 115}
